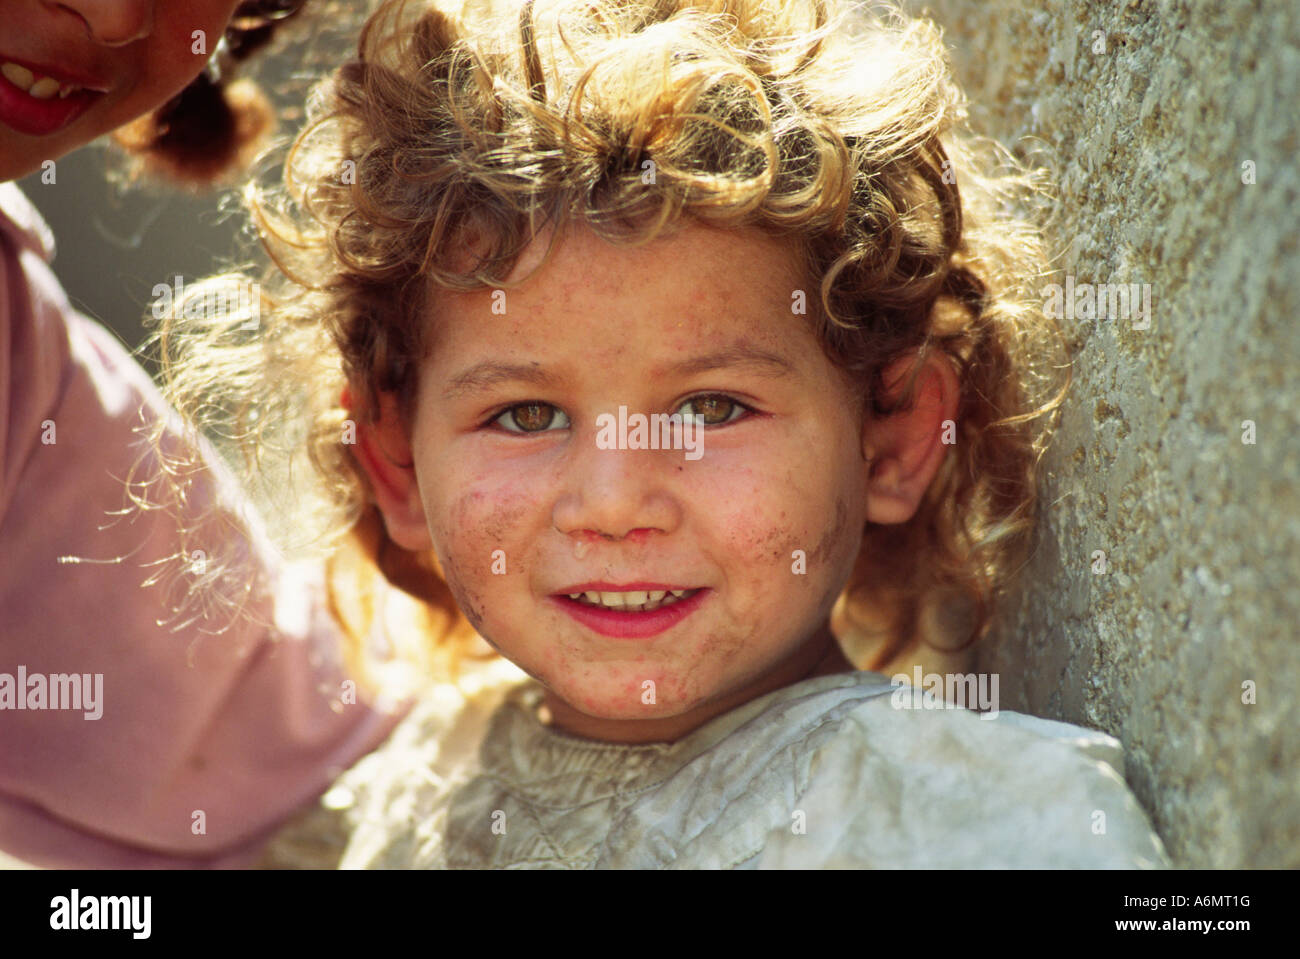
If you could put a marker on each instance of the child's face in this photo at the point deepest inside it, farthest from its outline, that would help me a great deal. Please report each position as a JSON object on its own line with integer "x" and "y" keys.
{"x": 766, "y": 522}
{"x": 127, "y": 57}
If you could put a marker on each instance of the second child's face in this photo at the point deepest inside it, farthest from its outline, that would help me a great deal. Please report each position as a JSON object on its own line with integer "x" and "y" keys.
{"x": 74, "y": 70}
{"x": 524, "y": 506}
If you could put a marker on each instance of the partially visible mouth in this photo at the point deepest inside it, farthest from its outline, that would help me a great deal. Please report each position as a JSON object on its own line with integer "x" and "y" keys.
{"x": 34, "y": 102}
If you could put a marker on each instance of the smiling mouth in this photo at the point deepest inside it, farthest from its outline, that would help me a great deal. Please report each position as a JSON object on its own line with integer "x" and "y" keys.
{"x": 36, "y": 104}
{"x": 35, "y": 85}
{"x": 632, "y": 601}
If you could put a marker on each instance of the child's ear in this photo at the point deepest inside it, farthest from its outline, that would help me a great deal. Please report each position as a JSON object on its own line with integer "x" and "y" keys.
{"x": 905, "y": 450}
{"x": 384, "y": 453}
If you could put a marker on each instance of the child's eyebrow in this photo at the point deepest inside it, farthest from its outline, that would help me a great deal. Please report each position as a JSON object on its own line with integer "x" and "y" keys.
{"x": 759, "y": 362}
{"x": 490, "y": 373}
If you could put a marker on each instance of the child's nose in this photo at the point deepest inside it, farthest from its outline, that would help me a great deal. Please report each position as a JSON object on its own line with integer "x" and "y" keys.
{"x": 616, "y": 494}
{"x": 113, "y": 23}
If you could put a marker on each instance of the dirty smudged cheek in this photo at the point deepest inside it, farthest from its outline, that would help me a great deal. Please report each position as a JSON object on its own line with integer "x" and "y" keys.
{"x": 469, "y": 603}
{"x": 825, "y": 555}
{"x": 829, "y": 544}
{"x": 459, "y": 545}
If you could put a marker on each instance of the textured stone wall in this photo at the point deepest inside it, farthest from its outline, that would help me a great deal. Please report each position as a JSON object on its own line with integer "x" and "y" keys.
{"x": 1151, "y": 121}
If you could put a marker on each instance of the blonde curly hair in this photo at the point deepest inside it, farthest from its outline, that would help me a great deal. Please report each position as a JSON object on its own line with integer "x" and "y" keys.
{"x": 837, "y": 128}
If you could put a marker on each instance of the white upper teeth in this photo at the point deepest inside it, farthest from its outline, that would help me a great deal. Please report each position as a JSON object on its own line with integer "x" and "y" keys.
{"x": 41, "y": 89}
{"x": 632, "y": 599}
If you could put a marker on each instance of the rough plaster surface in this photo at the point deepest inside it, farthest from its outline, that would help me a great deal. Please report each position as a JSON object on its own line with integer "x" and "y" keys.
{"x": 1201, "y": 531}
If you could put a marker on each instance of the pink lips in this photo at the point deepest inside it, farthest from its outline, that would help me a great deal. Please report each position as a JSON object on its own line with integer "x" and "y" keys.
{"x": 621, "y": 625}
{"x": 27, "y": 114}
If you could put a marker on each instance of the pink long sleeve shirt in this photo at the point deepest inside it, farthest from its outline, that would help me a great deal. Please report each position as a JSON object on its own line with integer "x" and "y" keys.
{"x": 204, "y": 743}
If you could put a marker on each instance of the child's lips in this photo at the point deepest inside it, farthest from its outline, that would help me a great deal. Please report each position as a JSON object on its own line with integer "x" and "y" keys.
{"x": 623, "y": 624}
{"x": 39, "y": 100}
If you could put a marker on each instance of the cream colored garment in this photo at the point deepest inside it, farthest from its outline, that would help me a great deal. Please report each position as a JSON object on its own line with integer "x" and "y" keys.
{"x": 831, "y": 772}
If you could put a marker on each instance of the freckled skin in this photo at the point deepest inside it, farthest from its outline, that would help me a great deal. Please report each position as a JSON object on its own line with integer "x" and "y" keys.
{"x": 604, "y": 320}
{"x": 830, "y": 539}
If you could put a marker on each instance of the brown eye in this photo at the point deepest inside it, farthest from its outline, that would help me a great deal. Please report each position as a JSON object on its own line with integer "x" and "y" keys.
{"x": 531, "y": 418}
{"x": 713, "y": 409}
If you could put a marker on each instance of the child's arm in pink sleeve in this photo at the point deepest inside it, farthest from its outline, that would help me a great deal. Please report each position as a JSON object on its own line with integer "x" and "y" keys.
{"x": 196, "y": 746}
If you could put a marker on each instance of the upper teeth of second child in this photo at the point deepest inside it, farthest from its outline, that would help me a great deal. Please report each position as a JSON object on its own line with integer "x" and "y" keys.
{"x": 42, "y": 89}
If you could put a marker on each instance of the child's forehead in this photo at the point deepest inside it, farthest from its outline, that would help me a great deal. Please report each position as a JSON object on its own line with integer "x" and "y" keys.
{"x": 698, "y": 289}
{"x": 693, "y": 261}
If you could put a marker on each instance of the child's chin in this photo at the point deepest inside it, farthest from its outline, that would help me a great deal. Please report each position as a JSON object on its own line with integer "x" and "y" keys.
{"x": 617, "y": 705}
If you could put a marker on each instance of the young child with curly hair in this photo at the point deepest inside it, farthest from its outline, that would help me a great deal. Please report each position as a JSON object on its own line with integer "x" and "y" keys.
{"x": 508, "y": 227}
